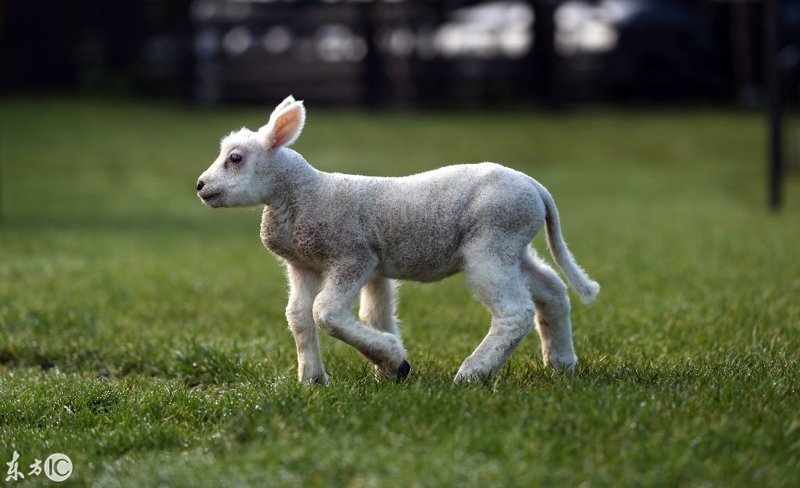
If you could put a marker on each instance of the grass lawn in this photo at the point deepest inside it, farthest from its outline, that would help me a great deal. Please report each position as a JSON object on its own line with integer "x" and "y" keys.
{"x": 143, "y": 335}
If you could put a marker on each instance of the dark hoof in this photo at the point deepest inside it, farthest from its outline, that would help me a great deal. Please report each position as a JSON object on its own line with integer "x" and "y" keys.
{"x": 403, "y": 370}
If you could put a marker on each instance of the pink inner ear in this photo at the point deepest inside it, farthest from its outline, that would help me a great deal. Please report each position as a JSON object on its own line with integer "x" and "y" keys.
{"x": 284, "y": 128}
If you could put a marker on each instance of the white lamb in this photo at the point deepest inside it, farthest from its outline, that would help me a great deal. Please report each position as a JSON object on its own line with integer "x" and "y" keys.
{"x": 344, "y": 235}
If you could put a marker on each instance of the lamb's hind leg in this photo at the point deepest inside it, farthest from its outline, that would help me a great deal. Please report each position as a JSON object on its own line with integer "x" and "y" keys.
{"x": 377, "y": 308}
{"x": 501, "y": 287}
{"x": 377, "y": 305}
{"x": 552, "y": 313}
{"x": 303, "y": 287}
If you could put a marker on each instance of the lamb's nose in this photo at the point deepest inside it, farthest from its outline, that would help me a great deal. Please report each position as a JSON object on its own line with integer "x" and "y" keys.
{"x": 200, "y": 185}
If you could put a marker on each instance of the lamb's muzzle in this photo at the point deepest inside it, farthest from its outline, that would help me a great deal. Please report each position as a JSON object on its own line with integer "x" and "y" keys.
{"x": 341, "y": 236}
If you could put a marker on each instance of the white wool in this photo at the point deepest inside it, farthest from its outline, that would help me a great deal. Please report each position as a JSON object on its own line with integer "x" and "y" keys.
{"x": 344, "y": 236}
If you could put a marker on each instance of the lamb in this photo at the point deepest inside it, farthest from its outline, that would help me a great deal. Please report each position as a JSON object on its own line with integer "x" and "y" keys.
{"x": 341, "y": 236}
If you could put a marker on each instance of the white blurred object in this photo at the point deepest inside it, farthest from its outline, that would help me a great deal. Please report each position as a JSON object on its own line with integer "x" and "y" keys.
{"x": 337, "y": 43}
{"x": 277, "y": 40}
{"x": 585, "y": 28}
{"x": 486, "y": 31}
{"x": 400, "y": 42}
{"x": 237, "y": 40}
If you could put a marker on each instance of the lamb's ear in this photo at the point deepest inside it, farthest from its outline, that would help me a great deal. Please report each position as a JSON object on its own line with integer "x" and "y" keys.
{"x": 284, "y": 125}
{"x": 286, "y": 101}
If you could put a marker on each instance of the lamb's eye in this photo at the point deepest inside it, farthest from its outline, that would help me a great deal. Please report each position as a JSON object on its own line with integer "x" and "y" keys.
{"x": 235, "y": 158}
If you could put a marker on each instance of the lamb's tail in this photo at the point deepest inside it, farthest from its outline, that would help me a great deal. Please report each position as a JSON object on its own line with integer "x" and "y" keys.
{"x": 577, "y": 278}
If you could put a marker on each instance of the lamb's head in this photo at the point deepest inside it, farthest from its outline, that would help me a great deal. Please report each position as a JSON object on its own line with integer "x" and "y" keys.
{"x": 243, "y": 173}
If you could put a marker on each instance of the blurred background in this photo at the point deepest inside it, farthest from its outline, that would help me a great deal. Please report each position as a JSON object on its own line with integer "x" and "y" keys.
{"x": 396, "y": 53}
{"x": 551, "y": 54}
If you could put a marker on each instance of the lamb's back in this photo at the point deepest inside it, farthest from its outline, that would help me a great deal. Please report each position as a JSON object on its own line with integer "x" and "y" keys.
{"x": 418, "y": 224}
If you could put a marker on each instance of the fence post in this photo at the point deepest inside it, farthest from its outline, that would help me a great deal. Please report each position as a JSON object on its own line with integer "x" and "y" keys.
{"x": 774, "y": 112}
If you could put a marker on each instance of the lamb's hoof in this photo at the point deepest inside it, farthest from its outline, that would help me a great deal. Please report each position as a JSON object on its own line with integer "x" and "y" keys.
{"x": 321, "y": 380}
{"x": 403, "y": 370}
{"x": 564, "y": 364}
{"x": 471, "y": 378}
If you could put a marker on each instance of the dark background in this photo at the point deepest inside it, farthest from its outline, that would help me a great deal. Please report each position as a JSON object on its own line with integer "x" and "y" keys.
{"x": 400, "y": 53}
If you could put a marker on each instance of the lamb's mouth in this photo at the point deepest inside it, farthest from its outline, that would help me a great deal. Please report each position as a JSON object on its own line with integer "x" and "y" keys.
{"x": 208, "y": 198}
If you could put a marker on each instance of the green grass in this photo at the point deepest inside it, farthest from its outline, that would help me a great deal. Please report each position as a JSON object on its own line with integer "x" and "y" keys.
{"x": 143, "y": 334}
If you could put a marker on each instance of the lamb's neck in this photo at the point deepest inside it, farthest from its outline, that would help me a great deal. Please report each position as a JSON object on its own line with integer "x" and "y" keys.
{"x": 293, "y": 179}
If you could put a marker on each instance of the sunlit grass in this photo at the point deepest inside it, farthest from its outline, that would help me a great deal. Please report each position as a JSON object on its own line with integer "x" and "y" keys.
{"x": 143, "y": 334}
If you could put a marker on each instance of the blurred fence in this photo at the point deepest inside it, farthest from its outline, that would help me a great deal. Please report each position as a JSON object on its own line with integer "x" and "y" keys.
{"x": 398, "y": 52}
{"x": 361, "y": 52}
{"x": 470, "y": 53}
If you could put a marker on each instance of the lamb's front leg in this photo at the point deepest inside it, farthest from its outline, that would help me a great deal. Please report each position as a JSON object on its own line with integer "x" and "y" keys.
{"x": 304, "y": 284}
{"x": 332, "y": 313}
